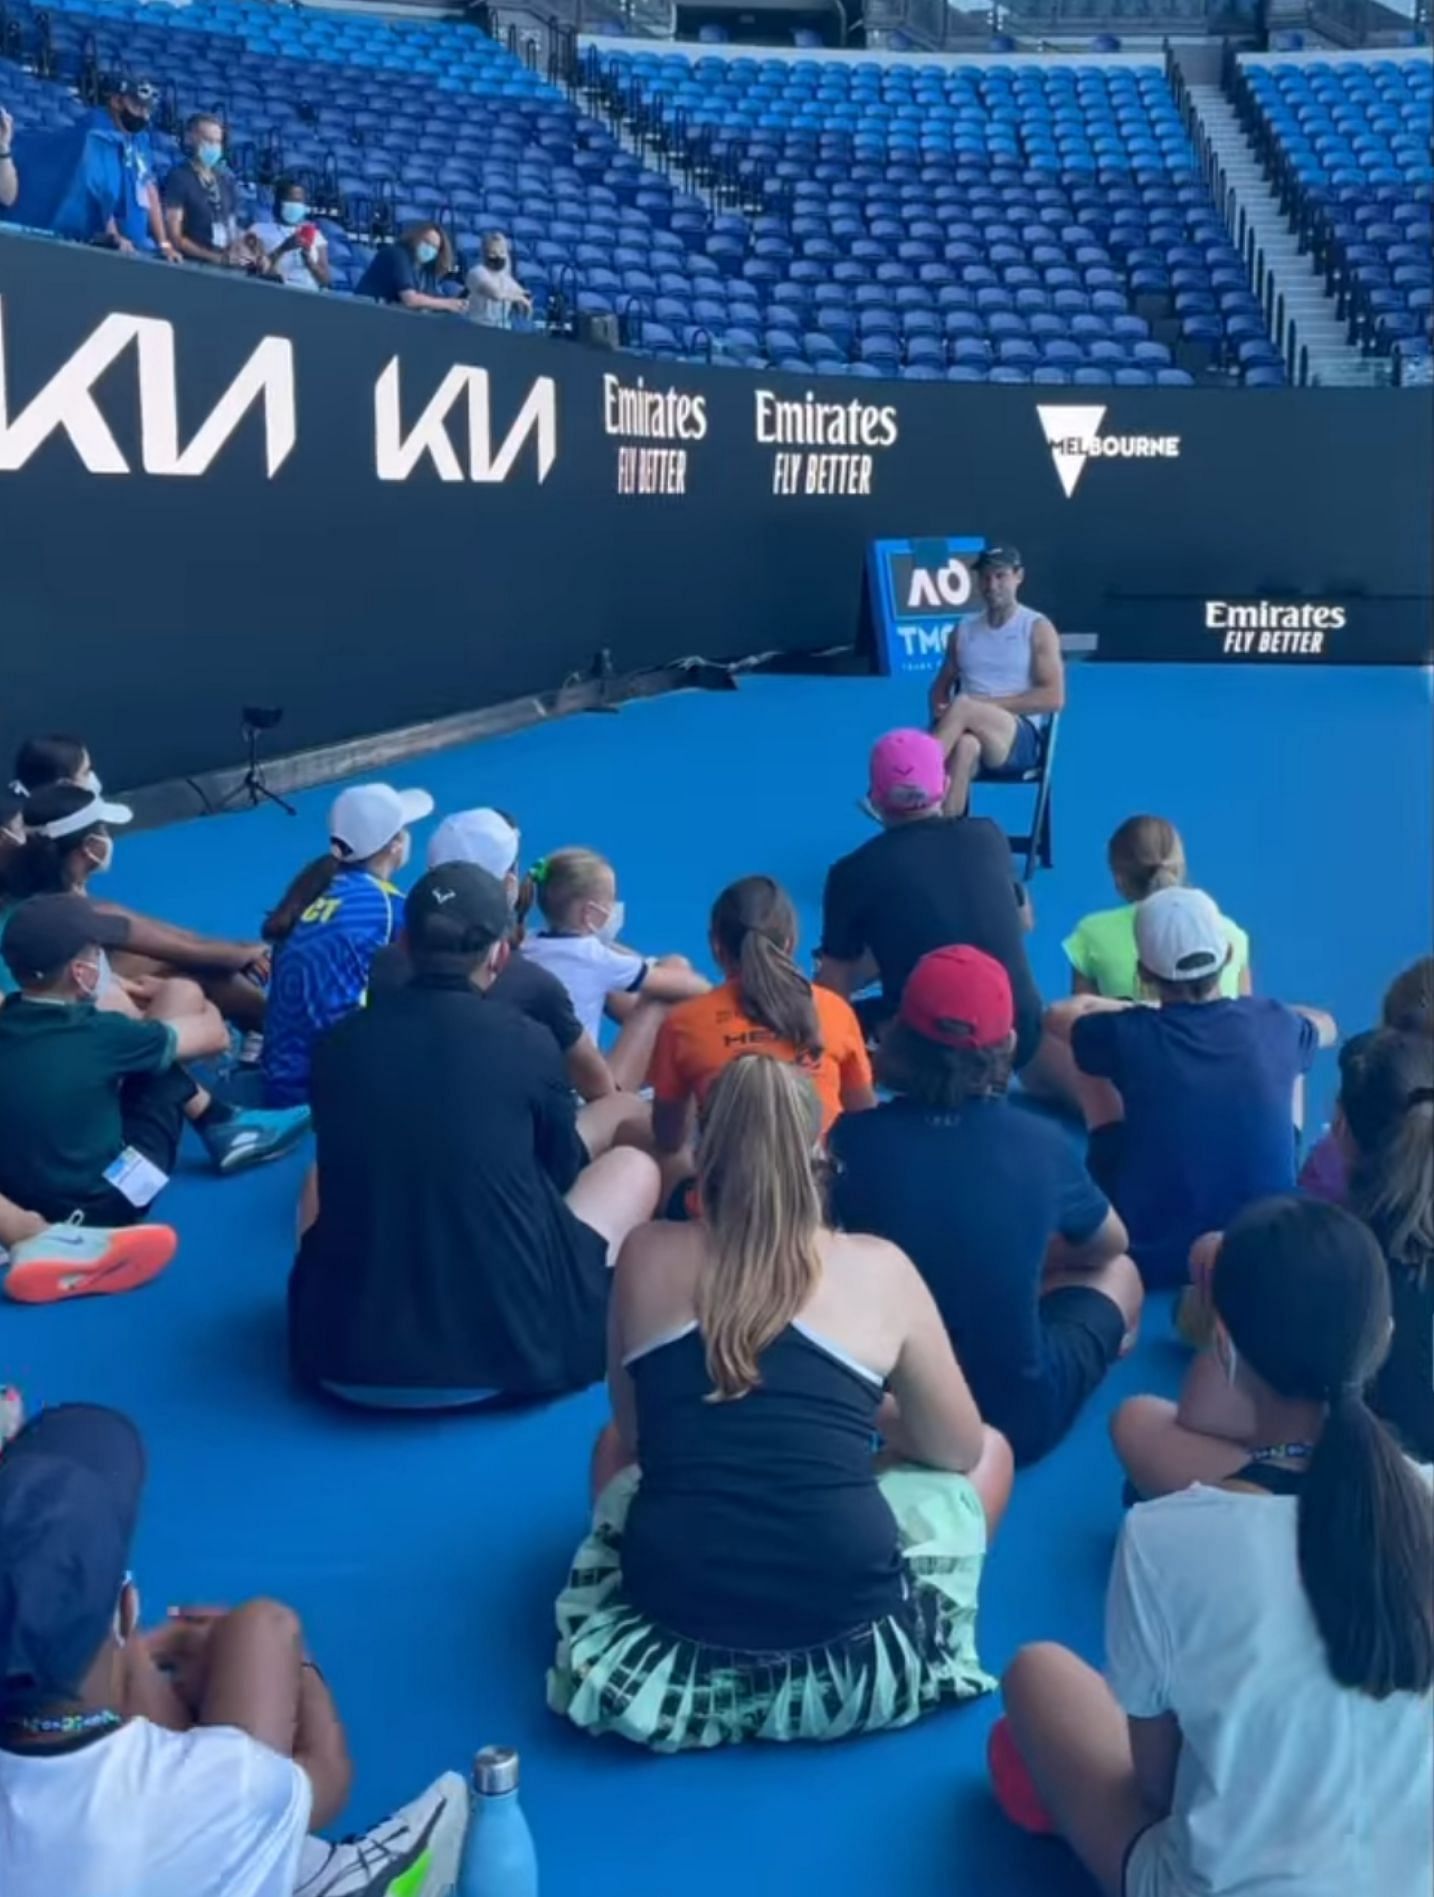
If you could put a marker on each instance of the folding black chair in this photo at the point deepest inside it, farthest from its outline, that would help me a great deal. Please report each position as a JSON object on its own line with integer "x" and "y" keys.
{"x": 1037, "y": 844}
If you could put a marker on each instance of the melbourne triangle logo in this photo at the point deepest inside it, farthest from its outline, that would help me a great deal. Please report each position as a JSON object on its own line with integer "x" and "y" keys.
{"x": 1073, "y": 434}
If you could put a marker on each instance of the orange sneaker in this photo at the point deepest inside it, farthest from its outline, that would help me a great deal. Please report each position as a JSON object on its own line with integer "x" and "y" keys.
{"x": 81, "y": 1261}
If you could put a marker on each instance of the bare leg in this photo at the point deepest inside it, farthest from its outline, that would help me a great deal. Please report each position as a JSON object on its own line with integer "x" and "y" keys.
{"x": 16, "y": 1225}
{"x": 237, "y": 998}
{"x": 309, "y": 1201}
{"x": 631, "y": 1054}
{"x": 620, "y": 1119}
{"x": 1206, "y": 1438}
{"x": 609, "y": 1459}
{"x": 615, "y": 1194}
{"x": 1075, "y": 1742}
{"x": 993, "y": 1478}
{"x": 994, "y": 732}
{"x": 963, "y": 764}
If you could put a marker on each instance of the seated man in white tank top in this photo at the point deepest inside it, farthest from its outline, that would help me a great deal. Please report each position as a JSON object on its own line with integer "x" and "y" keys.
{"x": 1001, "y": 679}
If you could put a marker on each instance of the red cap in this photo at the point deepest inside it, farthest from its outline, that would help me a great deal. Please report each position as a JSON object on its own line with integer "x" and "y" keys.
{"x": 960, "y": 997}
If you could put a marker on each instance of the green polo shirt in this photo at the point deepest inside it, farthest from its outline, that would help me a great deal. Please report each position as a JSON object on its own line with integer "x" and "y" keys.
{"x": 61, "y": 1124}
{"x": 1102, "y": 948}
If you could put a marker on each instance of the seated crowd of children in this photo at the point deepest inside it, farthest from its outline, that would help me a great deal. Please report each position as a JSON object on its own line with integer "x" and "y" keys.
{"x": 842, "y": 1281}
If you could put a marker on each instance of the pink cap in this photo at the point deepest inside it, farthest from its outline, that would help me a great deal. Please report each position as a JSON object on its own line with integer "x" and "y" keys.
{"x": 908, "y": 771}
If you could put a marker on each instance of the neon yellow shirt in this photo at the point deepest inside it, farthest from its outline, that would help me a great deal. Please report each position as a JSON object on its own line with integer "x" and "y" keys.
{"x": 1102, "y": 948}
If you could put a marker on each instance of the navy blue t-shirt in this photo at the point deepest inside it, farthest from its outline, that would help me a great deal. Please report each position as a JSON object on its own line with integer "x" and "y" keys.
{"x": 973, "y": 1196}
{"x": 1208, "y": 1089}
{"x": 394, "y": 270}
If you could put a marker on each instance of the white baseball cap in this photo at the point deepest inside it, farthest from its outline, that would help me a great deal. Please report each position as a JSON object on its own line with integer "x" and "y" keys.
{"x": 365, "y": 817}
{"x": 95, "y": 811}
{"x": 481, "y": 837}
{"x": 1181, "y": 936}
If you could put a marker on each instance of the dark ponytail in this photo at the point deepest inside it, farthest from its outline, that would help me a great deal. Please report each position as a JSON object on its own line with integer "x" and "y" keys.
{"x": 49, "y": 760}
{"x": 311, "y": 882}
{"x": 1387, "y": 1097}
{"x": 1303, "y": 1290}
{"x": 754, "y": 928}
{"x": 38, "y": 867}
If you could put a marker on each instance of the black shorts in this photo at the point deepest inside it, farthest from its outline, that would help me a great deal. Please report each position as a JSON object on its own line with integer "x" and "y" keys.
{"x": 152, "y": 1118}
{"x": 1084, "y": 1330}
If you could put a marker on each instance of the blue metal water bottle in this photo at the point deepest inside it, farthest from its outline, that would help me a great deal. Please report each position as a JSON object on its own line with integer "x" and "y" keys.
{"x": 498, "y": 1856}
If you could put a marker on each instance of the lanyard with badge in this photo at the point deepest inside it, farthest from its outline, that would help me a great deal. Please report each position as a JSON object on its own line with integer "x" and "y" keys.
{"x": 136, "y": 1179}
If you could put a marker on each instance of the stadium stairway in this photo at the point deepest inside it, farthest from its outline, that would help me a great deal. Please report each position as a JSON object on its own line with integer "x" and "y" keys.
{"x": 1334, "y": 362}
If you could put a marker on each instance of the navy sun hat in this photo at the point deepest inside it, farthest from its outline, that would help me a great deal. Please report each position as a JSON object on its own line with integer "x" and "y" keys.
{"x": 70, "y": 1488}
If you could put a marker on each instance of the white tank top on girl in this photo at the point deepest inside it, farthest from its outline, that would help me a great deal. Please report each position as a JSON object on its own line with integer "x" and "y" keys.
{"x": 995, "y": 661}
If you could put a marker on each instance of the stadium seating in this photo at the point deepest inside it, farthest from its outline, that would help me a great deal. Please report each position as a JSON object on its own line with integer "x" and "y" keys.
{"x": 1022, "y": 221}
{"x": 1352, "y": 143}
{"x": 1012, "y": 222}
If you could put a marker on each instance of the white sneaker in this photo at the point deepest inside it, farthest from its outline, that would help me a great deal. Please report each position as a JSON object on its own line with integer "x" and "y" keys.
{"x": 415, "y": 1853}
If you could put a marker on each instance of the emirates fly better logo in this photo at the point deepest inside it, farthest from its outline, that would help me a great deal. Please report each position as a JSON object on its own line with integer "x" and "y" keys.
{"x": 1075, "y": 438}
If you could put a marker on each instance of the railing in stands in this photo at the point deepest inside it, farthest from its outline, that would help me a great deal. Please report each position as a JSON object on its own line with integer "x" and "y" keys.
{"x": 1235, "y": 216}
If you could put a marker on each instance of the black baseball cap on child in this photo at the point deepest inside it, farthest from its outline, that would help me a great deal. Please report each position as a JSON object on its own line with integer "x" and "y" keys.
{"x": 456, "y": 909}
{"x": 70, "y": 1488}
{"x": 48, "y": 931}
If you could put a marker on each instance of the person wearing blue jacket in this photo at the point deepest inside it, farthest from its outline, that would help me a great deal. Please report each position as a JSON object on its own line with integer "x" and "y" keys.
{"x": 109, "y": 193}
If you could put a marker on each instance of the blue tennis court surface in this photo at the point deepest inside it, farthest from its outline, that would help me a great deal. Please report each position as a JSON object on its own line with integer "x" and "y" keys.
{"x": 424, "y": 1555}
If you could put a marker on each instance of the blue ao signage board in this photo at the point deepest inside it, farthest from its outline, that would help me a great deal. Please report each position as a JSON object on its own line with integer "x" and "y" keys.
{"x": 919, "y": 591}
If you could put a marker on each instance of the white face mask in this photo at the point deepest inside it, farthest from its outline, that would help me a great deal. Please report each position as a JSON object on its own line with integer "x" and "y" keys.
{"x": 610, "y": 930}
{"x": 405, "y": 850}
{"x": 89, "y": 978}
{"x": 101, "y": 852}
{"x": 90, "y": 782}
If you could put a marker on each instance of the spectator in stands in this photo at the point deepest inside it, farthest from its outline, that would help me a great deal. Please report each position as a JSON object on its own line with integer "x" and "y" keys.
{"x": 462, "y": 1241}
{"x": 1269, "y": 1632}
{"x": 68, "y": 841}
{"x": 926, "y": 882}
{"x": 1190, "y": 1104}
{"x": 410, "y": 269}
{"x": 331, "y": 921}
{"x": 765, "y": 1005}
{"x": 495, "y": 295}
{"x": 577, "y": 894}
{"x": 759, "y": 1576}
{"x": 92, "y": 1105}
{"x": 201, "y": 199}
{"x": 1409, "y": 1008}
{"x": 188, "y": 1760}
{"x": 1022, "y": 1253}
{"x": 110, "y": 194}
{"x": 54, "y": 759}
{"x": 1145, "y": 854}
{"x": 1001, "y": 679}
{"x": 289, "y": 247}
{"x": 9, "y": 177}
{"x": 490, "y": 841}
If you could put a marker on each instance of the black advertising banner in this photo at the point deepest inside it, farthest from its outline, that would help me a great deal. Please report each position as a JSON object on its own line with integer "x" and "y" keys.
{"x": 218, "y": 492}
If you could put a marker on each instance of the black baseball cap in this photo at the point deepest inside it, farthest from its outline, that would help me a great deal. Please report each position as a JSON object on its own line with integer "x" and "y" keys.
{"x": 999, "y": 556}
{"x": 457, "y": 909}
{"x": 70, "y": 1488}
{"x": 48, "y": 931}
{"x": 128, "y": 85}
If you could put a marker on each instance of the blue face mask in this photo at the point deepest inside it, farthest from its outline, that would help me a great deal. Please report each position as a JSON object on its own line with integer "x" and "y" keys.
{"x": 426, "y": 253}
{"x": 291, "y": 213}
{"x": 209, "y": 155}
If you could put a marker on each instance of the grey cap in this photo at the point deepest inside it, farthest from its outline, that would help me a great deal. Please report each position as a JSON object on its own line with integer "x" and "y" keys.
{"x": 495, "y": 1771}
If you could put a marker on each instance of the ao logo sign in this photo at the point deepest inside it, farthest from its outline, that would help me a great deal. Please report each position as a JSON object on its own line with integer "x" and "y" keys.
{"x": 929, "y": 591}
{"x": 66, "y": 404}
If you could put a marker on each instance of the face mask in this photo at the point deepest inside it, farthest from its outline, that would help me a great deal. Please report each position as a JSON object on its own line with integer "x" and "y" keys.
{"x": 495, "y": 260}
{"x": 101, "y": 852}
{"x": 610, "y": 930}
{"x": 426, "y": 253}
{"x": 291, "y": 213}
{"x": 133, "y": 121}
{"x": 90, "y": 783}
{"x": 87, "y": 979}
{"x": 209, "y": 155}
{"x": 1232, "y": 1362}
{"x": 405, "y": 850}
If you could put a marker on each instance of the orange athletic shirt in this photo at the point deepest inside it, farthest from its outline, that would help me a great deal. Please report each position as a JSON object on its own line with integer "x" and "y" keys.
{"x": 700, "y": 1037}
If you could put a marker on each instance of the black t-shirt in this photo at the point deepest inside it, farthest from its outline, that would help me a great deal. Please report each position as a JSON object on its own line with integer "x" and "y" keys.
{"x": 973, "y": 1196}
{"x": 444, "y": 1256}
{"x": 205, "y": 204}
{"x": 1403, "y": 1392}
{"x": 927, "y": 884}
{"x": 61, "y": 1109}
{"x": 523, "y": 985}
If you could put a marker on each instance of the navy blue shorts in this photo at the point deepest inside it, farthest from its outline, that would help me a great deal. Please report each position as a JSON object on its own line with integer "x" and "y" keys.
{"x": 1083, "y": 1331}
{"x": 1026, "y": 751}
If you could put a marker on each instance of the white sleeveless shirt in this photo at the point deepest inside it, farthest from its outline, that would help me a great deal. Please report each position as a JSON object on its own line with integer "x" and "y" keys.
{"x": 995, "y": 661}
